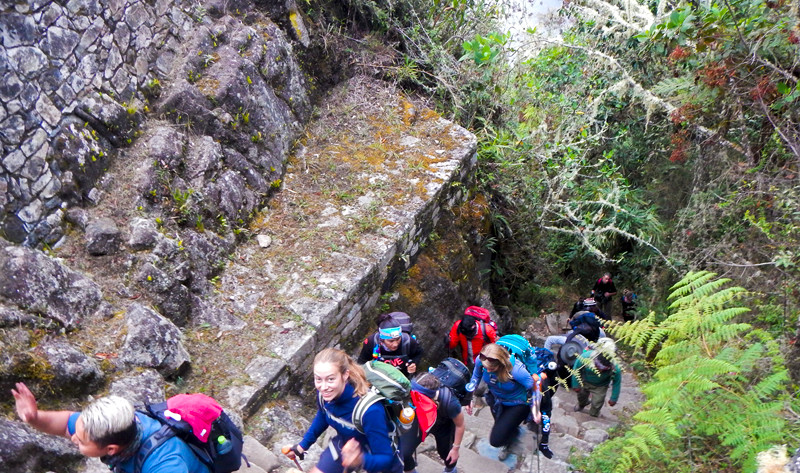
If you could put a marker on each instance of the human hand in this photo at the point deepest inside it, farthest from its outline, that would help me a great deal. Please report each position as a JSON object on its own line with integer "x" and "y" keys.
{"x": 452, "y": 457}
{"x": 293, "y": 451}
{"x": 351, "y": 454}
{"x": 412, "y": 368}
{"x": 612, "y": 403}
{"x": 27, "y": 410}
{"x": 469, "y": 407}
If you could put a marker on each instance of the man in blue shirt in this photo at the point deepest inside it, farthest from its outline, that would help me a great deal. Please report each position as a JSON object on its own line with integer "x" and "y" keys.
{"x": 111, "y": 429}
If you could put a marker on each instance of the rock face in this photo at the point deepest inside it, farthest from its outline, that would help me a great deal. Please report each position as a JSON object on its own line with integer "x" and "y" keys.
{"x": 38, "y": 285}
{"x": 23, "y": 450}
{"x": 154, "y": 342}
{"x": 83, "y": 80}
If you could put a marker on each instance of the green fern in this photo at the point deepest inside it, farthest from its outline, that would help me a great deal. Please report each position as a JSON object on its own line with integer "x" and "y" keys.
{"x": 717, "y": 381}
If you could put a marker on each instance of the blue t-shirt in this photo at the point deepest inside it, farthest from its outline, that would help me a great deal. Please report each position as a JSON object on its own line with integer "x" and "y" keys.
{"x": 515, "y": 391}
{"x": 339, "y": 414}
{"x": 173, "y": 456}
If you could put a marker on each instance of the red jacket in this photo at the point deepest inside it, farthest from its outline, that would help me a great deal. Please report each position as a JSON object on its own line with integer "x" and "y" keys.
{"x": 459, "y": 339}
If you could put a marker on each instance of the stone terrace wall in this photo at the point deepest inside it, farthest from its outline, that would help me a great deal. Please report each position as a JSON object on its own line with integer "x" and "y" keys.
{"x": 76, "y": 79}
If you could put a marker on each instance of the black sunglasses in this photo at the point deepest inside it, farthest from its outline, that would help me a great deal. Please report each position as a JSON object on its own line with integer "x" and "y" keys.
{"x": 489, "y": 359}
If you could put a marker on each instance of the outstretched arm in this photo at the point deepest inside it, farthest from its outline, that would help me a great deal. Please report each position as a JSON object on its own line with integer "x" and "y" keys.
{"x": 50, "y": 422}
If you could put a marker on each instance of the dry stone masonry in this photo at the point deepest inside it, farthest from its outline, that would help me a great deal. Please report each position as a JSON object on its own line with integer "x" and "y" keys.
{"x": 83, "y": 79}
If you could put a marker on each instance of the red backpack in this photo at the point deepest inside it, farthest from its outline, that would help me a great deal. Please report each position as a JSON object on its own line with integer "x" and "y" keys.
{"x": 482, "y": 316}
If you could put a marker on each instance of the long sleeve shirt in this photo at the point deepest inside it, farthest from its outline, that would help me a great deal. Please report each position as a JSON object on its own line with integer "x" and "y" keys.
{"x": 597, "y": 378}
{"x": 339, "y": 414}
{"x": 517, "y": 390}
{"x": 477, "y": 342}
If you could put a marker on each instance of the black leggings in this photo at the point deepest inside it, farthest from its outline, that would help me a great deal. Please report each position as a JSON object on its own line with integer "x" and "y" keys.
{"x": 506, "y": 421}
{"x": 444, "y": 433}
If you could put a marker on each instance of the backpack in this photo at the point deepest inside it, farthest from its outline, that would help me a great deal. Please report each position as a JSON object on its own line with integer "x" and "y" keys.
{"x": 201, "y": 423}
{"x": 453, "y": 374}
{"x": 483, "y": 317}
{"x": 405, "y": 322}
{"x": 388, "y": 386}
{"x": 534, "y": 359}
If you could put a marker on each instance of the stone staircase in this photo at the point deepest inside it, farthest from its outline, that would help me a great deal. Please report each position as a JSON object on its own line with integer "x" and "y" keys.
{"x": 572, "y": 432}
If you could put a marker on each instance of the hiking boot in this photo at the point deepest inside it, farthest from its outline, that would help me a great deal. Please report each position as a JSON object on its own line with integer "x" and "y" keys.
{"x": 502, "y": 454}
{"x": 579, "y": 407}
{"x": 545, "y": 450}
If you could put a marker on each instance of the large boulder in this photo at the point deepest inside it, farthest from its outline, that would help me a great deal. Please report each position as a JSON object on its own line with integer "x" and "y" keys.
{"x": 153, "y": 341}
{"x": 145, "y": 387}
{"x": 37, "y": 284}
{"x": 72, "y": 371}
{"x": 23, "y": 450}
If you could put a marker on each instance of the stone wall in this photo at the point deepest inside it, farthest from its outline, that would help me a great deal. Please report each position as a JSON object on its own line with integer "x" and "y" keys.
{"x": 82, "y": 78}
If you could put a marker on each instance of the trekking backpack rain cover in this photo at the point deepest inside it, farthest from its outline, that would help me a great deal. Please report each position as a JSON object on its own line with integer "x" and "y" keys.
{"x": 455, "y": 375}
{"x": 200, "y": 422}
{"x": 388, "y": 386}
{"x": 426, "y": 411}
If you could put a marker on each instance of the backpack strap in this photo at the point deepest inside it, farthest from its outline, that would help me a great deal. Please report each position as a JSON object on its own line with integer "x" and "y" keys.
{"x": 337, "y": 420}
{"x": 485, "y": 335}
{"x": 365, "y": 402}
{"x": 405, "y": 344}
{"x": 150, "y": 444}
{"x": 469, "y": 351}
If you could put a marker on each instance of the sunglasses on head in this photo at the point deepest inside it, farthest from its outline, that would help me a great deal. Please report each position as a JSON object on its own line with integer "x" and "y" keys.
{"x": 488, "y": 358}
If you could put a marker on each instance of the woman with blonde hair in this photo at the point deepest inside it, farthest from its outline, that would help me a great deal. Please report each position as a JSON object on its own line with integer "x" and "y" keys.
{"x": 511, "y": 393}
{"x": 340, "y": 383}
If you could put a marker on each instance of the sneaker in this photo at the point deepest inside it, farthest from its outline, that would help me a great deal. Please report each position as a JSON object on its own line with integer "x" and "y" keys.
{"x": 452, "y": 470}
{"x": 545, "y": 450}
{"x": 502, "y": 454}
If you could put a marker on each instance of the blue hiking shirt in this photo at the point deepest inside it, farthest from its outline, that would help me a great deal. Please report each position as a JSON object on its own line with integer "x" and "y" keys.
{"x": 515, "y": 391}
{"x": 339, "y": 414}
{"x": 173, "y": 456}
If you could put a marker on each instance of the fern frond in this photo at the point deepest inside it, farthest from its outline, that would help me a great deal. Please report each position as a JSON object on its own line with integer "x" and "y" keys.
{"x": 674, "y": 86}
{"x": 770, "y": 385}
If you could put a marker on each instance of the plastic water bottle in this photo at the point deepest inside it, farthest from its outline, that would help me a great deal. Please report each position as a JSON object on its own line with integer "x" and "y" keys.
{"x": 223, "y": 445}
{"x": 470, "y": 387}
{"x": 406, "y": 417}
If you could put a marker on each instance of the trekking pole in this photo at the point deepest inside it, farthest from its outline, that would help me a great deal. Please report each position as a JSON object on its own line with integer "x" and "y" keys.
{"x": 286, "y": 450}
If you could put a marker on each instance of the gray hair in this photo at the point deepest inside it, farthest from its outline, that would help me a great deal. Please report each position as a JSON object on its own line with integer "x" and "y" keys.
{"x": 107, "y": 417}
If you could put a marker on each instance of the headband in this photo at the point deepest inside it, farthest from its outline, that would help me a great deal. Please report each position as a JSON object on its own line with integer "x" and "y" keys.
{"x": 389, "y": 333}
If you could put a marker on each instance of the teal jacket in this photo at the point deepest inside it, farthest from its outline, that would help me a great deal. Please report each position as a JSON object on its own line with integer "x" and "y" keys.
{"x": 597, "y": 378}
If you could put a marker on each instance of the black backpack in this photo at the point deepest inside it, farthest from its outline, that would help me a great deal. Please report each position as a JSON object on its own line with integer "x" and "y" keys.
{"x": 453, "y": 374}
{"x": 222, "y": 449}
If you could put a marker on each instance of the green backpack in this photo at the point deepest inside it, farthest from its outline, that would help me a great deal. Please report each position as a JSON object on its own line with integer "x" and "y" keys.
{"x": 390, "y": 387}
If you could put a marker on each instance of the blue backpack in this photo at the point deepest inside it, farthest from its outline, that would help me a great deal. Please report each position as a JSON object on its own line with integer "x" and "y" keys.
{"x": 218, "y": 445}
{"x": 519, "y": 348}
